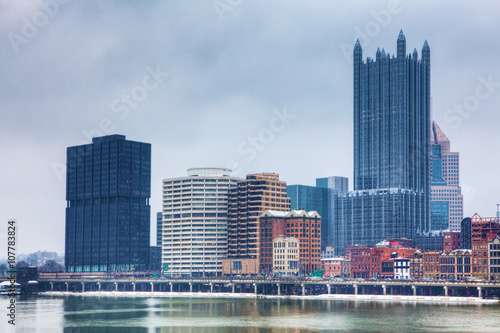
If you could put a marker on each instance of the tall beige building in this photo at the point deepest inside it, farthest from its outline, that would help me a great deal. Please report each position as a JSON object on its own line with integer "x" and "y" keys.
{"x": 195, "y": 222}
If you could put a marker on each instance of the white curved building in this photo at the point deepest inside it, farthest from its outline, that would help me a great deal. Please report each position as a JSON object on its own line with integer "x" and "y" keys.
{"x": 194, "y": 222}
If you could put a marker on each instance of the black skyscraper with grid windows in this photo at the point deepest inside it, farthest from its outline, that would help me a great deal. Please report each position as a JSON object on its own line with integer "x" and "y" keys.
{"x": 108, "y": 186}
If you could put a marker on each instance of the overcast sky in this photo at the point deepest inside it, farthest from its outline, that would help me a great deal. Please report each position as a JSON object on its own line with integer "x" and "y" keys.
{"x": 252, "y": 85}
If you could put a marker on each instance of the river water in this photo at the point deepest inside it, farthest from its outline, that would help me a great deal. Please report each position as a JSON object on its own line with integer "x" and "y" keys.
{"x": 148, "y": 315}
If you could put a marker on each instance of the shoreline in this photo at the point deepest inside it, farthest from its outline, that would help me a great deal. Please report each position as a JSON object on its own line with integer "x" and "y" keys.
{"x": 335, "y": 297}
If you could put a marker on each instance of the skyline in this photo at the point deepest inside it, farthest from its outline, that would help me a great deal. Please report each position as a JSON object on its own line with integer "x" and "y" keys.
{"x": 233, "y": 77}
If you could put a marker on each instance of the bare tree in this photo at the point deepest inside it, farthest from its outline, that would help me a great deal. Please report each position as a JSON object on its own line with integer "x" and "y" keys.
{"x": 51, "y": 266}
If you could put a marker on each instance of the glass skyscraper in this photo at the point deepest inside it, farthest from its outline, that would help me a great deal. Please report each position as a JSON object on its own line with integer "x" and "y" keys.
{"x": 108, "y": 186}
{"x": 319, "y": 198}
{"x": 304, "y": 197}
{"x": 446, "y": 193}
{"x": 391, "y": 197}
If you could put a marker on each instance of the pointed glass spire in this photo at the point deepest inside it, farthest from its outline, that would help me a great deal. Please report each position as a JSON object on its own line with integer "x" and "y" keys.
{"x": 358, "y": 44}
{"x": 426, "y": 46}
{"x": 401, "y": 46}
{"x": 401, "y": 35}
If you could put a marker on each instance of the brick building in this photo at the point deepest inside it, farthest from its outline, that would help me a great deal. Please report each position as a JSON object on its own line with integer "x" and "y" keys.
{"x": 247, "y": 201}
{"x": 305, "y": 226}
{"x": 375, "y": 262}
{"x": 451, "y": 240}
{"x": 431, "y": 264}
{"x": 417, "y": 266}
{"x": 335, "y": 267}
{"x": 455, "y": 264}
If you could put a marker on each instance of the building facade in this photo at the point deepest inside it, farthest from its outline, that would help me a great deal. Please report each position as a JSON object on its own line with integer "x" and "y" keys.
{"x": 329, "y": 251}
{"x": 311, "y": 198}
{"x": 494, "y": 258}
{"x": 446, "y": 193}
{"x": 391, "y": 197}
{"x": 480, "y": 259}
{"x": 465, "y": 233}
{"x": 108, "y": 186}
{"x": 195, "y": 221}
{"x": 286, "y": 256}
{"x": 159, "y": 217}
{"x": 430, "y": 241}
{"x": 335, "y": 267}
{"x": 451, "y": 241}
{"x": 363, "y": 264}
{"x": 455, "y": 265}
{"x": 417, "y": 266}
{"x": 402, "y": 268}
{"x": 299, "y": 224}
{"x": 432, "y": 268}
{"x": 247, "y": 201}
{"x": 319, "y": 198}
{"x": 482, "y": 231}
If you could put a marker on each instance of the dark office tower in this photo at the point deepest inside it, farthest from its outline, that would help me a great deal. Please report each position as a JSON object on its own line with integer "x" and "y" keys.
{"x": 108, "y": 186}
{"x": 391, "y": 148}
{"x": 392, "y": 119}
{"x": 158, "y": 228}
{"x": 466, "y": 233}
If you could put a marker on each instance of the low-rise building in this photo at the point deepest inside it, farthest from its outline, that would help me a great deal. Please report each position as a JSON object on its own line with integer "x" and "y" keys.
{"x": 480, "y": 259}
{"x": 401, "y": 268}
{"x": 346, "y": 268}
{"x": 494, "y": 258}
{"x": 431, "y": 265}
{"x": 455, "y": 265}
{"x": 335, "y": 267}
{"x": 286, "y": 256}
{"x": 417, "y": 266}
{"x": 387, "y": 268}
{"x": 373, "y": 262}
{"x": 363, "y": 265}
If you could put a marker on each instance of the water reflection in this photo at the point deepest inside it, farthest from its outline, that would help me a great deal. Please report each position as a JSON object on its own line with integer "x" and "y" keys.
{"x": 151, "y": 315}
